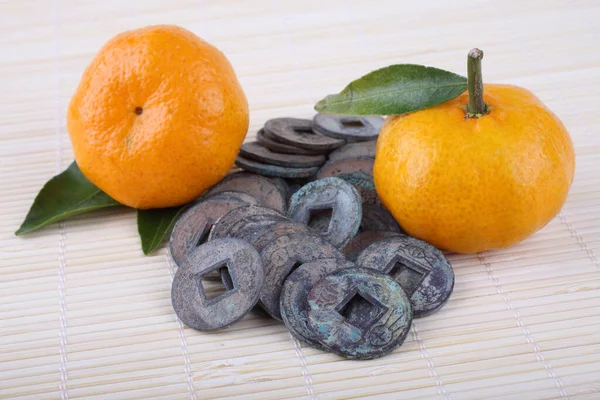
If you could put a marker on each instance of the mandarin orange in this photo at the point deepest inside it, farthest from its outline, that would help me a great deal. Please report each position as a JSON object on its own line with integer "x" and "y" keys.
{"x": 475, "y": 184}
{"x": 158, "y": 117}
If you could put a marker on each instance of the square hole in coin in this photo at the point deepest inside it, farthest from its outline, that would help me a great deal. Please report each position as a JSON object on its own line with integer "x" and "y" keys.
{"x": 204, "y": 234}
{"x": 303, "y": 130}
{"x": 360, "y": 311}
{"x": 408, "y": 277}
{"x": 319, "y": 220}
{"x": 210, "y": 291}
{"x": 352, "y": 123}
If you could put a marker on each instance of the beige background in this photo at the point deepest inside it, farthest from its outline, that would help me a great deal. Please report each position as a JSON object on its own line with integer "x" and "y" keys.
{"x": 85, "y": 315}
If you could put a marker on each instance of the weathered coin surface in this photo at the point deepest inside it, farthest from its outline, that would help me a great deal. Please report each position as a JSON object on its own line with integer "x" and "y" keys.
{"x": 252, "y": 227}
{"x": 349, "y": 128}
{"x": 293, "y": 300}
{"x": 271, "y": 143}
{"x": 234, "y": 195}
{"x": 376, "y": 218}
{"x": 299, "y": 132}
{"x": 258, "y": 152}
{"x": 423, "y": 271}
{"x": 381, "y": 324}
{"x": 266, "y": 235}
{"x": 282, "y": 255}
{"x": 274, "y": 170}
{"x": 264, "y": 189}
{"x": 354, "y": 150}
{"x": 193, "y": 227}
{"x": 224, "y": 225}
{"x": 346, "y": 166}
{"x": 364, "y": 240}
{"x": 242, "y": 265}
{"x": 329, "y": 194}
{"x": 364, "y": 184}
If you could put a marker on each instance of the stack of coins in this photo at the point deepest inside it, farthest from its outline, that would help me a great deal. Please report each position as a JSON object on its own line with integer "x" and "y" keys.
{"x": 303, "y": 235}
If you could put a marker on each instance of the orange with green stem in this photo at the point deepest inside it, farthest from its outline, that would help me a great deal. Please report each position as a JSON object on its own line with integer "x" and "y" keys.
{"x": 482, "y": 171}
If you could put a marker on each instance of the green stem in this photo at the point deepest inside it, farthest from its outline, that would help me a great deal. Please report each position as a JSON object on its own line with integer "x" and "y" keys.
{"x": 477, "y": 107}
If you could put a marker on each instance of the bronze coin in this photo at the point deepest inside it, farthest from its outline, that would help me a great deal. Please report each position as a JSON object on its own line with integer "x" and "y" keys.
{"x": 422, "y": 271}
{"x": 335, "y": 195}
{"x": 266, "y": 190}
{"x": 364, "y": 240}
{"x": 274, "y": 170}
{"x": 354, "y": 150}
{"x": 293, "y": 301}
{"x": 282, "y": 256}
{"x": 376, "y": 218}
{"x": 242, "y": 266}
{"x": 346, "y": 166}
{"x": 359, "y": 313}
{"x": 350, "y": 128}
{"x": 364, "y": 184}
{"x": 299, "y": 132}
{"x": 258, "y": 152}
{"x": 224, "y": 225}
{"x": 234, "y": 195}
{"x": 271, "y": 143}
{"x": 193, "y": 227}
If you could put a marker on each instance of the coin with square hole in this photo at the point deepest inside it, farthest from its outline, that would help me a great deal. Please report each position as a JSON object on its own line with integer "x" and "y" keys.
{"x": 349, "y": 128}
{"x": 258, "y": 152}
{"x": 331, "y": 199}
{"x": 282, "y": 255}
{"x": 298, "y": 132}
{"x": 354, "y": 150}
{"x": 421, "y": 269}
{"x": 376, "y": 218}
{"x": 234, "y": 195}
{"x": 271, "y": 143}
{"x": 268, "y": 192}
{"x": 364, "y": 240}
{"x": 193, "y": 227}
{"x": 293, "y": 300}
{"x": 274, "y": 170}
{"x": 201, "y": 308}
{"x": 346, "y": 166}
{"x": 359, "y": 313}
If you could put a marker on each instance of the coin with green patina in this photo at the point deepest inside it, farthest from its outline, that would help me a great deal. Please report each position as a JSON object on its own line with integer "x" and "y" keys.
{"x": 359, "y": 313}
{"x": 336, "y": 196}
{"x": 282, "y": 255}
{"x": 422, "y": 270}
{"x": 293, "y": 300}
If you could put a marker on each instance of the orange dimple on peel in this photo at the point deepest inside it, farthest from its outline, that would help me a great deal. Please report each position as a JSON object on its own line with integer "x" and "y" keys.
{"x": 469, "y": 185}
{"x": 158, "y": 117}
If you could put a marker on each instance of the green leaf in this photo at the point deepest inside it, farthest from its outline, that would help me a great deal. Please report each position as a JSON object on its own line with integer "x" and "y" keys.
{"x": 65, "y": 195}
{"x": 155, "y": 224}
{"x": 397, "y": 89}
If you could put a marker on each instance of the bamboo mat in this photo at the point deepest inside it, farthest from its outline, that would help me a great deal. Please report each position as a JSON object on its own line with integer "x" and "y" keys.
{"x": 85, "y": 315}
